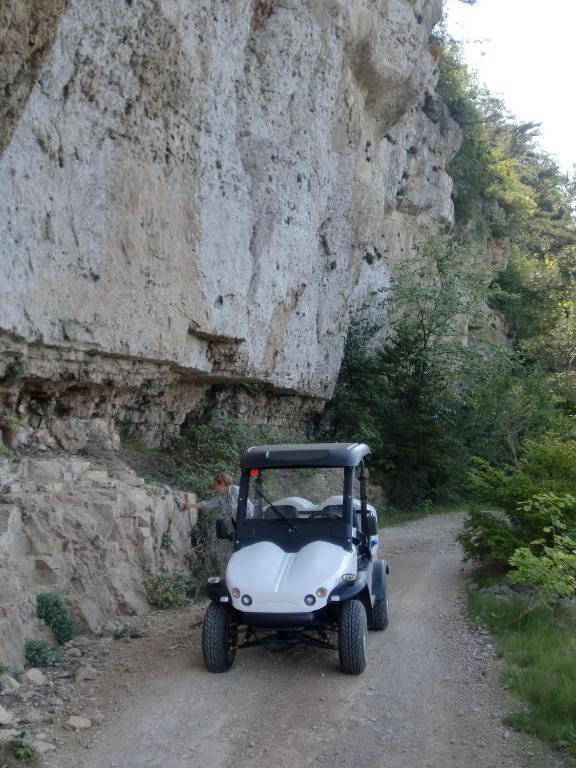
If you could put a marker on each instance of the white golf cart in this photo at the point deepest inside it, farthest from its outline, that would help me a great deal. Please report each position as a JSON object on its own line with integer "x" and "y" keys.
{"x": 305, "y": 565}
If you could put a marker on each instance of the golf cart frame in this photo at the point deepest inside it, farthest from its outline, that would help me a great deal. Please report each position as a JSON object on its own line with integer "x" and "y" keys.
{"x": 356, "y": 600}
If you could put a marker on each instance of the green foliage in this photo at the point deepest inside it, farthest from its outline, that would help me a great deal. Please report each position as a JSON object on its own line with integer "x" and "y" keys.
{"x": 51, "y": 609}
{"x": 539, "y": 650}
{"x": 504, "y": 401}
{"x": 545, "y": 465}
{"x": 127, "y": 630}
{"x": 21, "y": 749}
{"x": 506, "y": 188}
{"x": 488, "y": 535}
{"x": 535, "y": 498}
{"x": 209, "y": 444}
{"x": 6, "y": 453}
{"x": 395, "y": 393}
{"x": 167, "y": 590}
{"x": 490, "y": 194}
{"x": 39, "y": 653}
{"x": 552, "y": 571}
{"x": 424, "y": 402}
{"x": 14, "y": 371}
{"x": 15, "y": 673}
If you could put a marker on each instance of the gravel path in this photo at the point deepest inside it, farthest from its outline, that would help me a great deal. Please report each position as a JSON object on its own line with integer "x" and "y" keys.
{"x": 429, "y": 697}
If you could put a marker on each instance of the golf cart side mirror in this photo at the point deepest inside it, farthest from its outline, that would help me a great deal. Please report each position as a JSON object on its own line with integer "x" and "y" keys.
{"x": 371, "y": 525}
{"x": 223, "y": 529}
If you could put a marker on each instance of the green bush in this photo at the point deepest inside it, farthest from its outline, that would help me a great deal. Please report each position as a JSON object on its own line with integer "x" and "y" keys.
{"x": 552, "y": 571}
{"x": 535, "y": 524}
{"x": 167, "y": 590}
{"x": 51, "y": 609}
{"x": 536, "y": 500}
{"x": 488, "y": 536}
{"x": 39, "y": 653}
{"x": 545, "y": 465}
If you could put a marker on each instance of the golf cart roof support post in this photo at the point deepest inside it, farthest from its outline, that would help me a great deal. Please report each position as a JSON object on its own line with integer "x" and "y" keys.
{"x": 348, "y": 497}
{"x": 363, "y": 492}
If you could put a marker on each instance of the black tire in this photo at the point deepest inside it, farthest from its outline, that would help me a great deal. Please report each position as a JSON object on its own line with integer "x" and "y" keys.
{"x": 219, "y": 638}
{"x": 380, "y": 611}
{"x": 352, "y": 637}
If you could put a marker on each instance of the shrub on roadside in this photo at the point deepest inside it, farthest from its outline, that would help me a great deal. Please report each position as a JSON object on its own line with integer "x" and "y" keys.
{"x": 39, "y": 653}
{"x": 488, "y": 536}
{"x": 52, "y": 610}
{"x": 545, "y": 465}
{"x": 552, "y": 572}
{"x": 535, "y": 499}
{"x": 534, "y": 523}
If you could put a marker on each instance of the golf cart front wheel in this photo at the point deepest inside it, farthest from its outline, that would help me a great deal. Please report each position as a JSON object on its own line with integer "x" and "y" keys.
{"x": 380, "y": 614}
{"x": 352, "y": 633}
{"x": 219, "y": 638}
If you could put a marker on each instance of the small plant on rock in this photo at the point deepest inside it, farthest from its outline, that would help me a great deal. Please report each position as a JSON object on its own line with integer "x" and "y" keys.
{"x": 127, "y": 630}
{"x": 51, "y": 609}
{"x": 39, "y": 653}
{"x": 167, "y": 590}
{"x": 14, "y": 370}
{"x": 21, "y": 749}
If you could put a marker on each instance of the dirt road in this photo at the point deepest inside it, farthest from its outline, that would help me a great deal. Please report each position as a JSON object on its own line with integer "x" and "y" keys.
{"x": 429, "y": 697}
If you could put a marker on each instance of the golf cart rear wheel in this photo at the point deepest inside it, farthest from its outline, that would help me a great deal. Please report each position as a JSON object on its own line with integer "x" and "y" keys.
{"x": 219, "y": 638}
{"x": 352, "y": 633}
{"x": 380, "y": 611}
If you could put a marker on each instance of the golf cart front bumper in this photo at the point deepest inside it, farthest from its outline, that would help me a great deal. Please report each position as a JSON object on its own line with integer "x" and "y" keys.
{"x": 287, "y": 621}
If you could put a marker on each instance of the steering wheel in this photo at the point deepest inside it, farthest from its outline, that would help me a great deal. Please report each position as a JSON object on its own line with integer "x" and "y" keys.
{"x": 324, "y": 514}
{"x": 268, "y": 512}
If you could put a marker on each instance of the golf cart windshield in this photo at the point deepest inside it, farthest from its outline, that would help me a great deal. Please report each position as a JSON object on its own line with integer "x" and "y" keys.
{"x": 296, "y": 494}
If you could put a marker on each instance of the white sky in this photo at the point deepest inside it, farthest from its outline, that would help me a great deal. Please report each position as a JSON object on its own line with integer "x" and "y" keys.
{"x": 525, "y": 52}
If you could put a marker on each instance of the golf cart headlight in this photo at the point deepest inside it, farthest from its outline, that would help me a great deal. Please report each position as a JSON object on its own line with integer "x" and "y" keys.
{"x": 214, "y": 579}
{"x": 235, "y": 592}
{"x": 349, "y": 577}
{"x": 246, "y": 600}
{"x": 321, "y": 592}
{"x": 309, "y": 599}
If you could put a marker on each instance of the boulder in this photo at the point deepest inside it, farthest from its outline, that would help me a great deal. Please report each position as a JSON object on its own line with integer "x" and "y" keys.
{"x": 33, "y": 676}
{"x": 6, "y": 718}
{"x": 77, "y": 723}
{"x": 8, "y": 683}
{"x": 85, "y": 672}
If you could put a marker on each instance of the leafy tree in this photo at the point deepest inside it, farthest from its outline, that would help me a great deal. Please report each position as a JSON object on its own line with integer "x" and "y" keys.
{"x": 398, "y": 389}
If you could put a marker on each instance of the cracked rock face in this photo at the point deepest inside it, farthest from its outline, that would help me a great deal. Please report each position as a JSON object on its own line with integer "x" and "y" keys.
{"x": 71, "y": 526}
{"x": 200, "y": 192}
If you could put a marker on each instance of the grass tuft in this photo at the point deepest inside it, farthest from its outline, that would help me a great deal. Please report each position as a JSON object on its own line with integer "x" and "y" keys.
{"x": 539, "y": 648}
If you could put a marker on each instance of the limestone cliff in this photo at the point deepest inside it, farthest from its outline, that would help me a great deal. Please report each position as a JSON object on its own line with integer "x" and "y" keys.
{"x": 200, "y": 192}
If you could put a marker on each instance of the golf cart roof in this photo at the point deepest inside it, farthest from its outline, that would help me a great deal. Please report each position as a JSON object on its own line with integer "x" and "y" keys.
{"x": 308, "y": 455}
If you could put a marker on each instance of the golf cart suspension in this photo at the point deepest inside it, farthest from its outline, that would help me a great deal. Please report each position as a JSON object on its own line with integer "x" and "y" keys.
{"x": 282, "y": 640}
